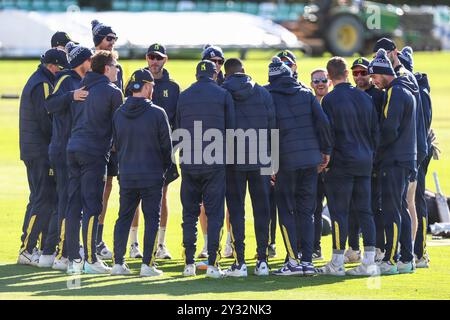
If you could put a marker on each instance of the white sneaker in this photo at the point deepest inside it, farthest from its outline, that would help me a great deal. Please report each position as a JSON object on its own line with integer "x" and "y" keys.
{"x": 46, "y": 261}
{"x": 203, "y": 254}
{"x": 162, "y": 252}
{"x": 98, "y": 267}
{"x": 228, "y": 252}
{"x": 365, "y": 270}
{"x": 406, "y": 267}
{"x": 379, "y": 255}
{"x": 332, "y": 270}
{"x": 189, "y": 270}
{"x": 386, "y": 268}
{"x": 352, "y": 256}
{"x": 147, "y": 271}
{"x": 135, "y": 253}
{"x": 214, "y": 272}
{"x": 103, "y": 252}
{"x": 60, "y": 264}
{"x": 120, "y": 270}
{"x": 26, "y": 258}
{"x": 236, "y": 271}
{"x": 261, "y": 269}
{"x": 75, "y": 266}
{"x": 423, "y": 262}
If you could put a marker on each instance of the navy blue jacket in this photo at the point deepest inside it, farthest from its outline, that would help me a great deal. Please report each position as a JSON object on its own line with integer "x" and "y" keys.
{"x": 303, "y": 126}
{"x": 35, "y": 125}
{"x": 92, "y": 118}
{"x": 398, "y": 142}
{"x": 377, "y": 96}
{"x": 141, "y": 135}
{"x": 425, "y": 90}
{"x": 119, "y": 82}
{"x": 58, "y": 105}
{"x": 422, "y": 148}
{"x": 207, "y": 102}
{"x": 355, "y": 129}
{"x": 254, "y": 109}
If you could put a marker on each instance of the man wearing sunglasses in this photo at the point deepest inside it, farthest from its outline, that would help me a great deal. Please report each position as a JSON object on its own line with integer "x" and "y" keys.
{"x": 215, "y": 54}
{"x": 363, "y": 82}
{"x": 104, "y": 39}
{"x": 35, "y": 131}
{"x": 289, "y": 59}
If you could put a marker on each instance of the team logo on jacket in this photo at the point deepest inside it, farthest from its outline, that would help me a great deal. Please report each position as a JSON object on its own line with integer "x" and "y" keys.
{"x": 50, "y": 172}
{"x": 166, "y": 93}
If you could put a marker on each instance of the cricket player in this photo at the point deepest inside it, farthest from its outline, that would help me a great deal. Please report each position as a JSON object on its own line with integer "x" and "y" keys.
{"x": 397, "y": 157}
{"x": 87, "y": 155}
{"x": 204, "y": 103}
{"x": 60, "y": 39}
{"x": 254, "y": 110}
{"x": 141, "y": 135}
{"x": 35, "y": 131}
{"x": 355, "y": 130}
{"x": 58, "y": 104}
{"x": 305, "y": 144}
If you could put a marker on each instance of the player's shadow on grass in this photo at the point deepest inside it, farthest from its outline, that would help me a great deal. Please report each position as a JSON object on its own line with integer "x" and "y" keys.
{"x": 46, "y": 282}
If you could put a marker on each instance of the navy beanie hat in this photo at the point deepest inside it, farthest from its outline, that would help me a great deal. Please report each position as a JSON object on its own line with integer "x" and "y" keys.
{"x": 100, "y": 31}
{"x": 206, "y": 69}
{"x": 77, "y": 54}
{"x": 278, "y": 69}
{"x": 406, "y": 58}
{"x": 210, "y": 51}
{"x": 381, "y": 64}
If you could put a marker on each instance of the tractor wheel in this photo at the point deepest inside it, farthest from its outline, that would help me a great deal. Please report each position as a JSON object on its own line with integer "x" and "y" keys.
{"x": 345, "y": 36}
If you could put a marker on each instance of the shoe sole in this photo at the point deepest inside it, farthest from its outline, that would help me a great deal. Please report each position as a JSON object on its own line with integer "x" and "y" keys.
{"x": 288, "y": 274}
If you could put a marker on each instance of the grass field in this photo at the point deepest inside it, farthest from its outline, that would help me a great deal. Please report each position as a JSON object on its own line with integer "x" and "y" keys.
{"x": 21, "y": 282}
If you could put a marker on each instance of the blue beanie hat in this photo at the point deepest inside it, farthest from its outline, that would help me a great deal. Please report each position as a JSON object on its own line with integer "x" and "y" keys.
{"x": 206, "y": 69}
{"x": 381, "y": 64}
{"x": 278, "y": 69}
{"x": 210, "y": 51}
{"x": 100, "y": 31}
{"x": 77, "y": 54}
{"x": 406, "y": 58}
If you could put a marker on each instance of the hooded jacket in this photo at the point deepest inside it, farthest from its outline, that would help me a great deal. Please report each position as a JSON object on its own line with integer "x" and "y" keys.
{"x": 421, "y": 132}
{"x": 398, "y": 143}
{"x": 425, "y": 90}
{"x": 92, "y": 118}
{"x": 204, "y": 101}
{"x": 35, "y": 124}
{"x": 355, "y": 129}
{"x": 303, "y": 126}
{"x": 377, "y": 96}
{"x": 254, "y": 109}
{"x": 142, "y": 140}
{"x": 58, "y": 105}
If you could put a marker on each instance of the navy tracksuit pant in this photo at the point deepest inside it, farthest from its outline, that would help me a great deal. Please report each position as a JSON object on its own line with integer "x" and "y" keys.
{"x": 42, "y": 201}
{"x": 208, "y": 188}
{"x": 273, "y": 215}
{"x": 422, "y": 210}
{"x": 151, "y": 208}
{"x": 59, "y": 164}
{"x": 344, "y": 190}
{"x": 87, "y": 174}
{"x": 259, "y": 189}
{"x": 318, "y": 212}
{"x": 397, "y": 221}
{"x": 296, "y": 196}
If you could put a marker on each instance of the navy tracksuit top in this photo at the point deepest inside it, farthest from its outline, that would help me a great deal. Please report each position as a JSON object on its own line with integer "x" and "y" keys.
{"x": 398, "y": 141}
{"x": 424, "y": 87}
{"x": 92, "y": 118}
{"x": 377, "y": 96}
{"x": 303, "y": 126}
{"x": 207, "y": 102}
{"x": 254, "y": 109}
{"x": 355, "y": 129}
{"x": 35, "y": 125}
{"x": 421, "y": 132}
{"x": 58, "y": 105}
{"x": 142, "y": 139}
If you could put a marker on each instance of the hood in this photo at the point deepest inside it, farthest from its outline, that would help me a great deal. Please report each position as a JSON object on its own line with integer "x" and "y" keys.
{"x": 134, "y": 107}
{"x": 240, "y": 86}
{"x": 422, "y": 80}
{"x": 92, "y": 78}
{"x": 72, "y": 73}
{"x": 285, "y": 85}
{"x": 405, "y": 82}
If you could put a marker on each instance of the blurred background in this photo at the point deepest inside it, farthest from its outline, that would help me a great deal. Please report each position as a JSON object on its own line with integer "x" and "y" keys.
{"x": 338, "y": 27}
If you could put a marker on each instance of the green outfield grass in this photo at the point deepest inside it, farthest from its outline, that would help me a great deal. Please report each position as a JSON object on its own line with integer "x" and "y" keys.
{"x": 19, "y": 282}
